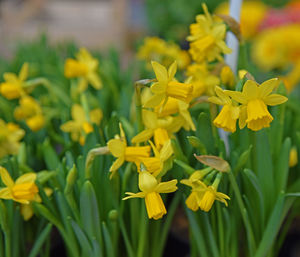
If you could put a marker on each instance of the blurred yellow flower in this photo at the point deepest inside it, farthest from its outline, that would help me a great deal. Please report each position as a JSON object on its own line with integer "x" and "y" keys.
{"x": 81, "y": 125}
{"x": 166, "y": 53}
{"x": 119, "y": 149}
{"x": 30, "y": 111}
{"x": 150, "y": 190}
{"x": 227, "y": 77}
{"x": 85, "y": 68}
{"x": 291, "y": 79}
{"x": 293, "y": 159}
{"x": 14, "y": 86}
{"x": 228, "y": 115}
{"x": 254, "y": 99}
{"x": 202, "y": 80}
{"x": 252, "y": 15}
{"x": 277, "y": 47}
{"x": 207, "y": 38}
{"x": 10, "y": 136}
{"x": 166, "y": 86}
{"x": 23, "y": 190}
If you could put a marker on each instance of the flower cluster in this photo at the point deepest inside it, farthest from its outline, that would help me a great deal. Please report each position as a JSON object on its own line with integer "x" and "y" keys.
{"x": 157, "y": 49}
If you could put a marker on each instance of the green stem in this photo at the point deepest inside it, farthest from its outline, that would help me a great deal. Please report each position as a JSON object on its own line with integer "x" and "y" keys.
{"x": 139, "y": 107}
{"x": 7, "y": 236}
{"x": 221, "y": 231}
{"x": 142, "y": 233}
{"x": 243, "y": 62}
{"x": 244, "y": 213}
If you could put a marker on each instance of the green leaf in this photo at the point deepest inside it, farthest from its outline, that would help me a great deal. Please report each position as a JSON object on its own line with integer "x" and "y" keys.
{"x": 40, "y": 241}
{"x": 50, "y": 156}
{"x": 196, "y": 142}
{"x": 293, "y": 194}
{"x": 272, "y": 228}
{"x": 82, "y": 239}
{"x": 89, "y": 211}
{"x": 282, "y": 167}
{"x": 242, "y": 160}
{"x": 108, "y": 243}
{"x": 204, "y": 132}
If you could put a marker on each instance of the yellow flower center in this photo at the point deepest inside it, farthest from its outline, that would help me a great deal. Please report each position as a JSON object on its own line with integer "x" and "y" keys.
{"x": 258, "y": 115}
{"x": 87, "y": 127}
{"x": 25, "y": 191}
{"x": 155, "y": 205}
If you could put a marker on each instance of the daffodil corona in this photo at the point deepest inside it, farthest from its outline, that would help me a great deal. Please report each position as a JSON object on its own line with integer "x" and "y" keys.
{"x": 150, "y": 190}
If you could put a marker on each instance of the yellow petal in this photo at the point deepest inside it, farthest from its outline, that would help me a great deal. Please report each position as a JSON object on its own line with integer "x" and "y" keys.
{"x": 82, "y": 84}
{"x": 117, "y": 164}
{"x": 143, "y": 136}
{"x": 154, "y": 100}
{"x": 26, "y": 211}
{"x": 5, "y": 193}
{"x": 166, "y": 151}
{"x": 166, "y": 187}
{"x": 10, "y": 77}
{"x": 134, "y": 195}
{"x": 158, "y": 88}
{"x": 160, "y": 72}
{"x": 95, "y": 80}
{"x": 215, "y": 100}
{"x": 220, "y": 93}
{"x": 172, "y": 70}
{"x": 70, "y": 126}
{"x": 243, "y": 117}
{"x": 250, "y": 89}
{"x": 267, "y": 87}
{"x": 275, "y": 99}
{"x": 26, "y": 178}
{"x": 6, "y": 178}
{"x": 149, "y": 119}
{"x": 23, "y": 72}
{"x": 78, "y": 114}
{"x": 237, "y": 96}
{"x": 116, "y": 147}
{"x": 96, "y": 116}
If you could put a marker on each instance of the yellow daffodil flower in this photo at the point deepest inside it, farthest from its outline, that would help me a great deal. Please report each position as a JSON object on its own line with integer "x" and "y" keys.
{"x": 254, "y": 99}
{"x": 27, "y": 210}
{"x": 228, "y": 115}
{"x": 155, "y": 164}
{"x": 202, "y": 80}
{"x": 81, "y": 125}
{"x": 85, "y": 68}
{"x": 159, "y": 128}
{"x": 227, "y": 76}
{"x": 159, "y": 50}
{"x": 166, "y": 86}
{"x": 23, "y": 190}
{"x": 30, "y": 111}
{"x": 207, "y": 38}
{"x": 14, "y": 86}
{"x": 210, "y": 196}
{"x": 198, "y": 188}
{"x": 119, "y": 149}
{"x": 150, "y": 190}
{"x": 10, "y": 136}
{"x": 292, "y": 78}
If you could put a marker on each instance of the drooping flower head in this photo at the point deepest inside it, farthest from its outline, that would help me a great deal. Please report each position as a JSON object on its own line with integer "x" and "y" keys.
{"x": 150, "y": 190}
{"x": 23, "y": 190}
{"x": 254, "y": 99}
{"x": 81, "y": 125}
{"x": 85, "y": 68}
{"x": 207, "y": 38}
{"x": 14, "y": 85}
{"x": 228, "y": 115}
{"x": 30, "y": 111}
{"x": 166, "y": 86}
